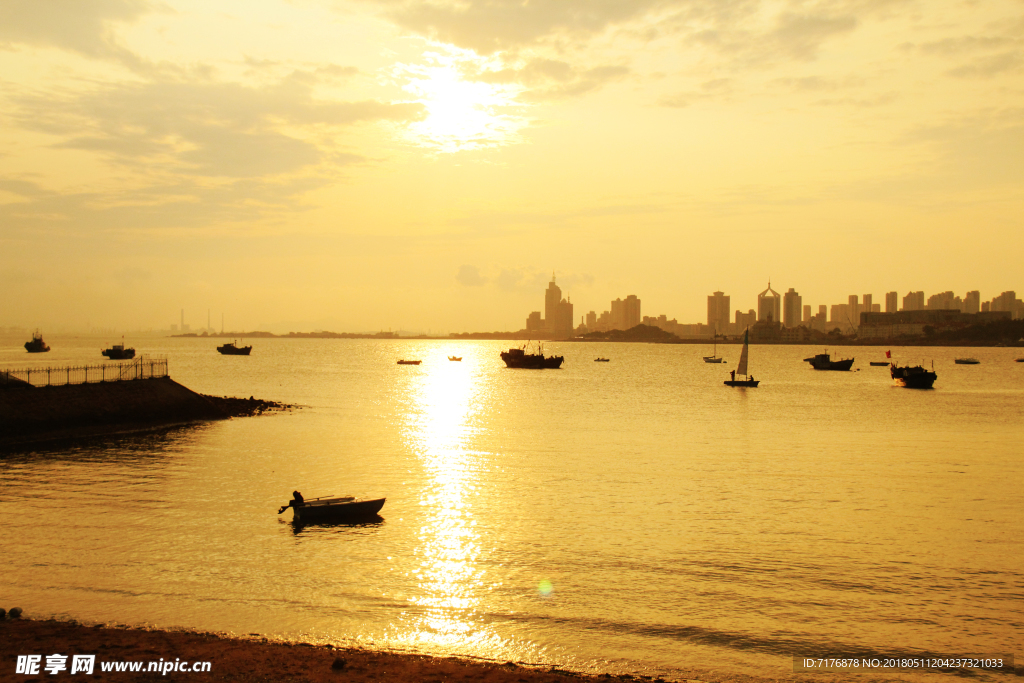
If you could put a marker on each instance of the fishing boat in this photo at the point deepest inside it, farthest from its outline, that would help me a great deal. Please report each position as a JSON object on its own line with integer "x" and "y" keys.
{"x": 914, "y": 377}
{"x": 823, "y": 361}
{"x": 454, "y": 357}
{"x": 37, "y": 345}
{"x": 409, "y": 362}
{"x": 119, "y": 352}
{"x": 332, "y": 509}
{"x": 714, "y": 357}
{"x": 230, "y": 349}
{"x": 741, "y": 367}
{"x": 966, "y": 361}
{"x": 519, "y": 358}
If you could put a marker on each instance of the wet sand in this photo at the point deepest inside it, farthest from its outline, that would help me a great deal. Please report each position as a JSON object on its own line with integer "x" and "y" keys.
{"x": 246, "y": 660}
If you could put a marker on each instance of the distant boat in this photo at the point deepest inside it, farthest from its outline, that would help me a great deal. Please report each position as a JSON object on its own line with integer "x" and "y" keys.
{"x": 741, "y": 367}
{"x": 1020, "y": 360}
{"x": 409, "y": 362}
{"x": 37, "y": 345}
{"x": 119, "y": 352}
{"x": 967, "y": 361}
{"x": 519, "y": 358}
{"x": 230, "y": 349}
{"x": 823, "y": 361}
{"x": 454, "y": 357}
{"x": 341, "y": 509}
{"x": 714, "y": 357}
{"x": 913, "y": 377}
{"x": 880, "y": 363}
{"x": 601, "y": 360}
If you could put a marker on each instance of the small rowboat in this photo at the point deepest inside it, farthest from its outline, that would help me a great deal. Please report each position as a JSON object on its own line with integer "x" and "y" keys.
{"x": 338, "y": 509}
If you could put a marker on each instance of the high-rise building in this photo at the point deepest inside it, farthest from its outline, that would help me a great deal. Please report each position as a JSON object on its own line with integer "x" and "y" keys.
{"x": 972, "y": 301}
{"x": 807, "y": 314}
{"x": 891, "y": 302}
{"x": 913, "y": 301}
{"x": 943, "y": 301}
{"x": 865, "y": 307}
{"x": 769, "y": 305}
{"x": 745, "y": 320}
{"x": 631, "y": 311}
{"x": 718, "y": 311}
{"x": 534, "y": 323}
{"x": 791, "y": 308}
{"x": 552, "y": 297}
{"x": 853, "y": 309}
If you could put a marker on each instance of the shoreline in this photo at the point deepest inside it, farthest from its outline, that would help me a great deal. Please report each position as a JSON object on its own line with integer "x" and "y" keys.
{"x": 243, "y": 660}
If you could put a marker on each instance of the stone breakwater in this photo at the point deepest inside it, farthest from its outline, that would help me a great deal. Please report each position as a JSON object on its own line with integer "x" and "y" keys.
{"x": 33, "y": 414}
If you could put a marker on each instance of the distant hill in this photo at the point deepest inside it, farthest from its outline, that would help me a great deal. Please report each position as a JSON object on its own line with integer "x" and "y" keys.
{"x": 640, "y": 333}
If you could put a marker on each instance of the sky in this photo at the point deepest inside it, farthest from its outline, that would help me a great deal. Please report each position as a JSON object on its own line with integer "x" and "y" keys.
{"x": 427, "y": 165}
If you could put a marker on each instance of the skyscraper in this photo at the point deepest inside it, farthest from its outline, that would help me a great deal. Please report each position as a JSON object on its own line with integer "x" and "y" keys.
{"x": 552, "y": 297}
{"x": 769, "y": 305}
{"x": 792, "y": 304}
{"x": 718, "y": 312}
{"x": 891, "y": 302}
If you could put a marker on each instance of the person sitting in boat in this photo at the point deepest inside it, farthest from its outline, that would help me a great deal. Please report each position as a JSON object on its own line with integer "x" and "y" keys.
{"x": 296, "y": 501}
{"x": 733, "y": 373}
{"x": 751, "y": 378}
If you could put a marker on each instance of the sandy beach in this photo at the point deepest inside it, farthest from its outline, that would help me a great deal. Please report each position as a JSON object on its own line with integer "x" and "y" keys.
{"x": 243, "y": 660}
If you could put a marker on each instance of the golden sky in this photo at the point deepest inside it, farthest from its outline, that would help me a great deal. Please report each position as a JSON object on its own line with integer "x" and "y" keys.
{"x": 359, "y": 165}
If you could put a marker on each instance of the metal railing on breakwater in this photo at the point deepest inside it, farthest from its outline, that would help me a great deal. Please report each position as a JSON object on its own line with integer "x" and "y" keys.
{"x": 141, "y": 368}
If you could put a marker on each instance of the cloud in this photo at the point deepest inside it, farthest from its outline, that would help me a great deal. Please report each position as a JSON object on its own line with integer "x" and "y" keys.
{"x": 86, "y": 28}
{"x": 491, "y": 26}
{"x": 470, "y": 276}
{"x": 548, "y": 79}
{"x": 714, "y": 89}
{"x": 202, "y": 128}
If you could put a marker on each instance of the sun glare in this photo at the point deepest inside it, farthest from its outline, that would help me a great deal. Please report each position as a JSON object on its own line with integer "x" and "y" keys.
{"x": 461, "y": 114}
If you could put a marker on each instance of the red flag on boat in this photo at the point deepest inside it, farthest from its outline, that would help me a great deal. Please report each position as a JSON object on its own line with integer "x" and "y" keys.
{"x": 888, "y": 355}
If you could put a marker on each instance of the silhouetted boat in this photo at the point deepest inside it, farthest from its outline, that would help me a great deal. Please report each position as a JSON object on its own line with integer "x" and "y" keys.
{"x": 454, "y": 357}
{"x": 601, "y": 360}
{"x": 741, "y": 367}
{"x": 914, "y": 377}
{"x": 409, "y": 362}
{"x": 119, "y": 352}
{"x": 967, "y": 361}
{"x": 339, "y": 509}
{"x": 230, "y": 349}
{"x": 714, "y": 357}
{"x": 880, "y": 363}
{"x": 1020, "y": 360}
{"x": 823, "y": 361}
{"x": 519, "y": 358}
{"x": 37, "y": 345}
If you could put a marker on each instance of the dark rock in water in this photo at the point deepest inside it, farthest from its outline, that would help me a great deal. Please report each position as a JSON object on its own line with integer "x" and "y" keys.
{"x": 339, "y": 664}
{"x": 15, "y": 613}
{"x": 3, "y": 613}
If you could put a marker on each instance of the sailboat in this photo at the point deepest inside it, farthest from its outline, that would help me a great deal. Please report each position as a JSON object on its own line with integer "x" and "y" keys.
{"x": 741, "y": 367}
{"x": 714, "y": 357}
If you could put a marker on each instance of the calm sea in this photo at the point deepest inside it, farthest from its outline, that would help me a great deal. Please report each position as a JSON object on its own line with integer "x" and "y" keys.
{"x": 632, "y": 516}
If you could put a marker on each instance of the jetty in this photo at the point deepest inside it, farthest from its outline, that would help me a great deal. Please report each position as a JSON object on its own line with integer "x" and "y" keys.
{"x": 73, "y": 402}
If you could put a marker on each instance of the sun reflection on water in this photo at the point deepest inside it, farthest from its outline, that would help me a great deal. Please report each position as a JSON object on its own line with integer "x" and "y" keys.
{"x": 448, "y": 575}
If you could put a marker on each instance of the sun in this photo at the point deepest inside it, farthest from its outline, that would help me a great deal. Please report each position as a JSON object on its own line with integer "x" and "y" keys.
{"x": 462, "y": 114}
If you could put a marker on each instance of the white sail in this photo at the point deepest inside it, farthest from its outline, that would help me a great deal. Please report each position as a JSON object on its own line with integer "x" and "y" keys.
{"x": 741, "y": 369}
